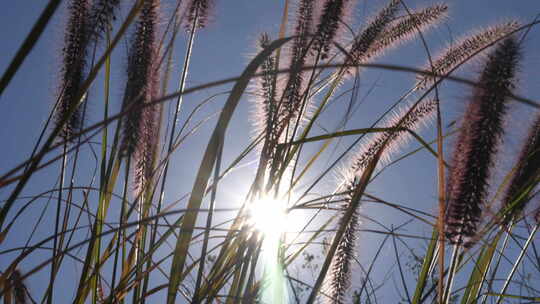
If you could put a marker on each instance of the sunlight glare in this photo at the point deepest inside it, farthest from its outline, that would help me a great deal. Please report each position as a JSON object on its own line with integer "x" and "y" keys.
{"x": 268, "y": 216}
{"x": 271, "y": 218}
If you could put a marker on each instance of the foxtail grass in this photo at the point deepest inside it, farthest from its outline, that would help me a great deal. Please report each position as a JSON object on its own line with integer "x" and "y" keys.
{"x": 102, "y": 15}
{"x": 404, "y": 29}
{"x": 372, "y": 32}
{"x": 197, "y": 13}
{"x": 478, "y": 141}
{"x": 76, "y": 38}
{"x": 526, "y": 174}
{"x": 463, "y": 49}
{"x": 299, "y": 85}
{"x": 391, "y": 141}
{"x": 334, "y": 17}
{"x": 73, "y": 66}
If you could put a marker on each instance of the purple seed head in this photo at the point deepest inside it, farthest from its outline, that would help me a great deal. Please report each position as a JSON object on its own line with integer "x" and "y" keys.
{"x": 404, "y": 118}
{"x": 404, "y": 29}
{"x": 198, "y": 11}
{"x": 102, "y": 16}
{"x": 477, "y": 143}
{"x": 460, "y": 52}
{"x": 141, "y": 78}
{"x": 73, "y": 67}
{"x": 291, "y": 104}
{"x": 340, "y": 268}
{"x": 526, "y": 175}
{"x": 333, "y": 18}
{"x": 340, "y": 272}
{"x": 372, "y": 31}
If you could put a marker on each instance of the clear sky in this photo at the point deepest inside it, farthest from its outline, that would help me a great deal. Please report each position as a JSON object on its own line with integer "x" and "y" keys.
{"x": 222, "y": 50}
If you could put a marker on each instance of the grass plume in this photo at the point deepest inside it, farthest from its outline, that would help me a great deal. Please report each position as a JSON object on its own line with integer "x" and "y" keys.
{"x": 477, "y": 143}
{"x": 247, "y": 219}
{"x": 406, "y": 28}
{"x": 266, "y": 105}
{"x": 373, "y": 31}
{"x": 464, "y": 48}
{"x": 340, "y": 271}
{"x": 290, "y": 104}
{"x": 141, "y": 78}
{"x": 102, "y": 16}
{"x": 526, "y": 175}
{"x": 73, "y": 66}
{"x": 333, "y": 17}
{"x": 198, "y": 11}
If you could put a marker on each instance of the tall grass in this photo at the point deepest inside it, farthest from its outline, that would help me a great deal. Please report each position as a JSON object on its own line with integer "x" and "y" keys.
{"x": 310, "y": 185}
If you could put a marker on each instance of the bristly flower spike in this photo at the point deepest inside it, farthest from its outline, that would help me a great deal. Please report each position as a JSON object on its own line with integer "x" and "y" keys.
{"x": 331, "y": 22}
{"x": 477, "y": 143}
{"x": 140, "y": 123}
{"x": 290, "y": 104}
{"x": 73, "y": 67}
{"x": 526, "y": 175}
{"x": 198, "y": 11}
{"x": 372, "y": 31}
{"x": 102, "y": 15}
{"x": 340, "y": 268}
{"x": 404, "y": 29}
{"x": 265, "y": 99}
{"x": 462, "y": 50}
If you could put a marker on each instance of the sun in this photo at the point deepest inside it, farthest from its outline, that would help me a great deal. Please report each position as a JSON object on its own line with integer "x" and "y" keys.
{"x": 271, "y": 218}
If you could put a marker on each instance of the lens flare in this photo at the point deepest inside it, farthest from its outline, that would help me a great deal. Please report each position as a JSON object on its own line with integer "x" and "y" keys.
{"x": 270, "y": 218}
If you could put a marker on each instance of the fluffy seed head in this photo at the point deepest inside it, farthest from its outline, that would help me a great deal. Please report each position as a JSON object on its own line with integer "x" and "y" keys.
{"x": 340, "y": 273}
{"x": 526, "y": 175}
{"x": 298, "y": 52}
{"x": 73, "y": 67}
{"x": 146, "y": 151}
{"x": 461, "y": 51}
{"x": 102, "y": 16}
{"x": 372, "y": 31}
{"x": 265, "y": 98}
{"x": 406, "y": 28}
{"x": 291, "y": 103}
{"x": 477, "y": 143}
{"x": 333, "y": 17}
{"x": 340, "y": 268}
{"x": 403, "y": 118}
{"x": 141, "y": 77}
{"x": 198, "y": 11}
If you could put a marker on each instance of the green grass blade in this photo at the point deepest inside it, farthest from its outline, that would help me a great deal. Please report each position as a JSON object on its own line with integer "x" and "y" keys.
{"x": 29, "y": 43}
{"x": 480, "y": 271}
{"x": 426, "y": 266}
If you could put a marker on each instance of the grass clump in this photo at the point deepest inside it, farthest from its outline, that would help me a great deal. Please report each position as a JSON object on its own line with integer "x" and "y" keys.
{"x": 165, "y": 199}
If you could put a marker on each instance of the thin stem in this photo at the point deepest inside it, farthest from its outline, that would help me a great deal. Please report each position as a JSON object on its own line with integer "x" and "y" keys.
{"x": 174, "y": 124}
{"x": 451, "y": 274}
{"x": 208, "y": 226}
{"x": 494, "y": 270}
{"x": 516, "y": 263}
{"x": 121, "y": 232}
{"x": 57, "y": 224}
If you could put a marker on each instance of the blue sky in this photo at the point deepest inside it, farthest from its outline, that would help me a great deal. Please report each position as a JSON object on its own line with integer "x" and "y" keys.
{"x": 222, "y": 50}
